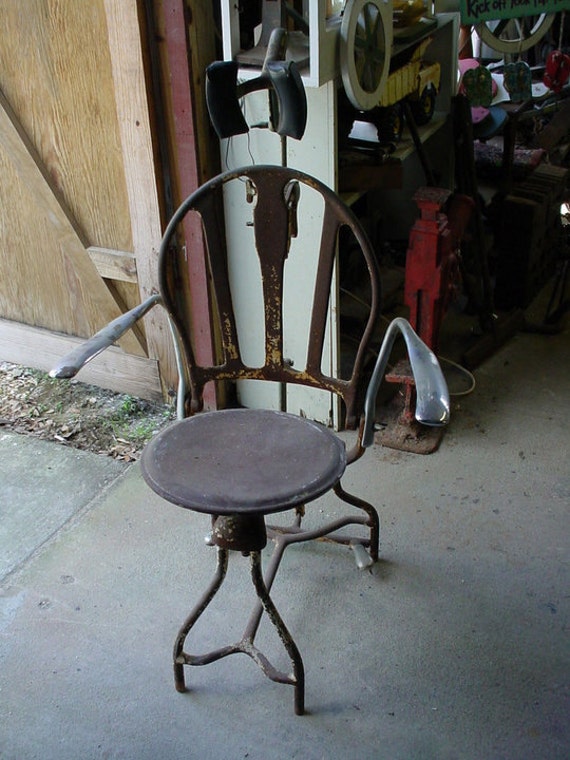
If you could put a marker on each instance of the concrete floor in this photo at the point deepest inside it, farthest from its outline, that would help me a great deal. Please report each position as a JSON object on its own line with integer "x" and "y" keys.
{"x": 456, "y": 644}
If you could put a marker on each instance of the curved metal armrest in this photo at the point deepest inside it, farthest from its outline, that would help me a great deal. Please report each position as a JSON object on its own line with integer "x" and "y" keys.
{"x": 70, "y": 364}
{"x": 432, "y": 405}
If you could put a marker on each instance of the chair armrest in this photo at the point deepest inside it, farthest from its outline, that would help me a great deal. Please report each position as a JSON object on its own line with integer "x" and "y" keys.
{"x": 432, "y": 405}
{"x": 70, "y": 364}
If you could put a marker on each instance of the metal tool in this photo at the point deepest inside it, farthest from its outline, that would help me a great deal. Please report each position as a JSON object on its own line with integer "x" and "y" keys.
{"x": 281, "y": 78}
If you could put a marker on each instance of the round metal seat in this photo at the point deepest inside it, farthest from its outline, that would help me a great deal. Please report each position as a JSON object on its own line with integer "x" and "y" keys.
{"x": 243, "y": 461}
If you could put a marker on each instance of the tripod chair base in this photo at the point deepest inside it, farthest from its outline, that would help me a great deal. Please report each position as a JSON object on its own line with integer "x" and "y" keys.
{"x": 246, "y": 644}
{"x": 239, "y": 465}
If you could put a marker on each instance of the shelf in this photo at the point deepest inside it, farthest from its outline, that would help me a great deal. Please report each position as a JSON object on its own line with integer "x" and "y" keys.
{"x": 406, "y": 145}
{"x": 360, "y": 171}
{"x": 364, "y": 135}
{"x": 321, "y": 46}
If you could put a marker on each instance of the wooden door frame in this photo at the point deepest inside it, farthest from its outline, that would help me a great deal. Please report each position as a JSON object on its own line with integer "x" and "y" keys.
{"x": 194, "y": 151}
{"x": 155, "y": 376}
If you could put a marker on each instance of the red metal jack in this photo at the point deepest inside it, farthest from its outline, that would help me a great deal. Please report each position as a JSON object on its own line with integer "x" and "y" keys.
{"x": 432, "y": 281}
{"x": 432, "y": 261}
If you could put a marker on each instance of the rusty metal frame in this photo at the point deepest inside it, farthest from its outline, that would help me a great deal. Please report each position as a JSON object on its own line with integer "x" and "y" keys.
{"x": 274, "y": 193}
{"x": 240, "y": 533}
{"x": 273, "y": 222}
{"x": 238, "y": 519}
{"x": 246, "y": 644}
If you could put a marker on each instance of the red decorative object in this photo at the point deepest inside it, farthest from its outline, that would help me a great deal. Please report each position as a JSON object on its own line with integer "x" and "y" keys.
{"x": 557, "y": 70}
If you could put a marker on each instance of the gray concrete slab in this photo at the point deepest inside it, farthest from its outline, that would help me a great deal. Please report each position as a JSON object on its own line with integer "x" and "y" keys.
{"x": 455, "y": 646}
{"x": 42, "y": 487}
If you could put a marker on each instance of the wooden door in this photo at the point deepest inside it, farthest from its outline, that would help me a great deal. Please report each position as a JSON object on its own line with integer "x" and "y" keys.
{"x": 79, "y": 210}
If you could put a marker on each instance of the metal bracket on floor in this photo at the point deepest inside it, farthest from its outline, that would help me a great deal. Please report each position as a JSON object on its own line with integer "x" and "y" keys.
{"x": 400, "y": 429}
{"x": 432, "y": 281}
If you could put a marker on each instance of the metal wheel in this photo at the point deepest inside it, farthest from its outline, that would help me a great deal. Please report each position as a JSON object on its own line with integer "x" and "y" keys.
{"x": 389, "y": 124}
{"x": 514, "y": 35}
{"x": 424, "y": 107}
{"x": 365, "y": 49}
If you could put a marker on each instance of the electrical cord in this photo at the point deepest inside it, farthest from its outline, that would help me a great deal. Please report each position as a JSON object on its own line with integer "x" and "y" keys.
{"x": 465, "y": 372}
{"x": 462, "y": 370}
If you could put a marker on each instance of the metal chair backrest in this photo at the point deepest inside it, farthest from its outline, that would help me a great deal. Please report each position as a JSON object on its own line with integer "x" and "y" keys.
{"x": 273, "y": 193}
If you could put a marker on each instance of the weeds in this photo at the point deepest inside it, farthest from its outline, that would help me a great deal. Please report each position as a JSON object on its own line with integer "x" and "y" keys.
{"x": 76, "y": 414}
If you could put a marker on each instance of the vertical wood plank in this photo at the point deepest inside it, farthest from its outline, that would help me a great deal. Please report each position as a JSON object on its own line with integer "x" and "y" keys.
{"x": 136, "y": 140}
{"x": 185, "y": 61}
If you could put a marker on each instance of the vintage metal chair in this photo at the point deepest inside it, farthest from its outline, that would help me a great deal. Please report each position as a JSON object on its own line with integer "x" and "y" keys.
{"x": 239, "y": 465}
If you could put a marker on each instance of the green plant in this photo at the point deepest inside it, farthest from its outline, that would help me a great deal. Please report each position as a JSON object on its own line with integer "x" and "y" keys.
{"x": 133, "y": 422}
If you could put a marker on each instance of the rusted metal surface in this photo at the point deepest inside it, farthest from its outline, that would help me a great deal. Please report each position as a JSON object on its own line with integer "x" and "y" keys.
{"x": 232, "y": 535}
{"x": 274, "y": 224}
{"x": 246, "y": 644}
{"x": 240, "y": 464}
{"x": 242, "y": 533}
{"x": 400, "y": 430}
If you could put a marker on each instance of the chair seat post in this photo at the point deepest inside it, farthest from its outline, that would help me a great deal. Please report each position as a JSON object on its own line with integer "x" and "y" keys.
{"x": 247, "y": 534}
{"x": 244, "y": 533}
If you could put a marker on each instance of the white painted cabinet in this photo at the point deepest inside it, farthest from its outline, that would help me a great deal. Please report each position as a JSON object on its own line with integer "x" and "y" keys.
{"x": 323, "y": 18}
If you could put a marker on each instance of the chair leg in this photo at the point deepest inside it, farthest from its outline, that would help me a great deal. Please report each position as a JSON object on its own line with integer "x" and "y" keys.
{"x": 373, "y": 519}
{"x": 246, "y": 644}
{"x": 285, "y": 535}
{"x": 178, "y": 653}
{"x": 274, "y": 616}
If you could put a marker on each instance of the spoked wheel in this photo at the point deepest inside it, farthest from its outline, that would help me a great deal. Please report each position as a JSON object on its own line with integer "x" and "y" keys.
{"x": 514, "y": 35}
{"x": 365, "y": 50}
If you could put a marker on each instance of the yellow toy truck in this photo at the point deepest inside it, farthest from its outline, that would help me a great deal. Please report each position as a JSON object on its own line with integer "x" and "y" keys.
{"x": 415, "y": 80}
{"x": 418, "y": 81}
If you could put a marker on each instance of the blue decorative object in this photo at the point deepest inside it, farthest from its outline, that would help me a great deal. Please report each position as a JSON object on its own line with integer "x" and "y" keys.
{"x": 518, "y": 81}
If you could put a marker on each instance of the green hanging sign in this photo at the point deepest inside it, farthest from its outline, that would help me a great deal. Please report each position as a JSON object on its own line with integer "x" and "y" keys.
{"x": 476, "y": 11}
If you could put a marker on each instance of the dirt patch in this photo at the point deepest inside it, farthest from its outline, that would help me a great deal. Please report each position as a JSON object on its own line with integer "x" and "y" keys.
{"x": 75, "y": 414}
